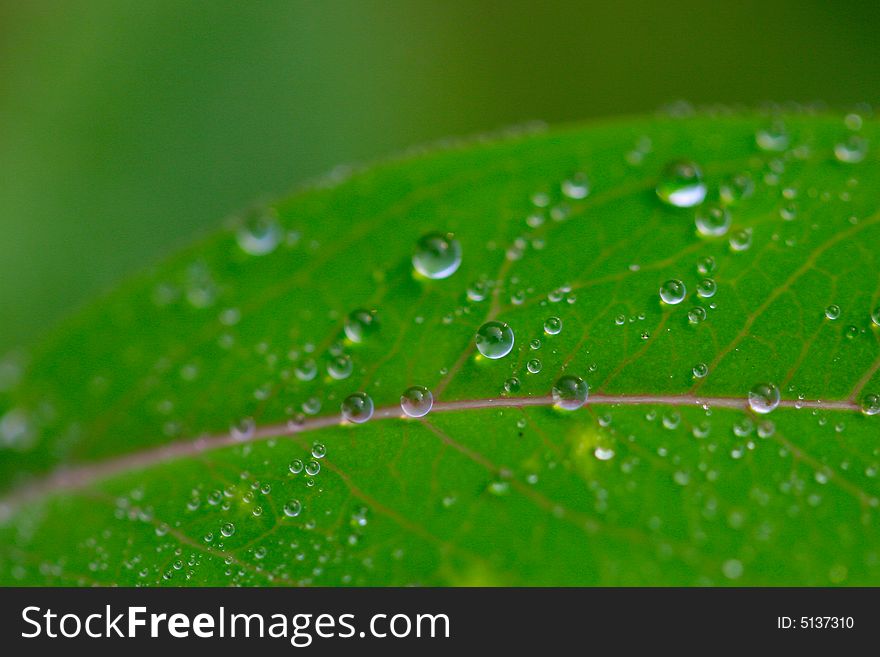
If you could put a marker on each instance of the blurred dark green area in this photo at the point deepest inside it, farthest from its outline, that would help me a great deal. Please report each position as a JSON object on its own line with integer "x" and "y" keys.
{"x": 126, "y": 127}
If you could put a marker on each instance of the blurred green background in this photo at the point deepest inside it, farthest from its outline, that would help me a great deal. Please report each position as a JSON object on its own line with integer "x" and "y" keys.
{"x": 126, "y": 127}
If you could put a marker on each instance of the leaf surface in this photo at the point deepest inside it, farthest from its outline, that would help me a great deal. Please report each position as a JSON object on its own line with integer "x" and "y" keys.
{"x": 119, "y": 465}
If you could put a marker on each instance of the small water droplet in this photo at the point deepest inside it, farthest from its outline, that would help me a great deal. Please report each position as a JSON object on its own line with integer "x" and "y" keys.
{"x": 552, "y": 325}
{"x": 696, "y": 315}
{"x": 296, "y": 466}
{"x": 871, "y": 404}
{"x": 875, "y": 316}
{"x": 511, "y": 385}
{"x": 577, "y": 187}
{"x": 319, "y": 450}
{"x": 243, "y": 429}
{"x": 495, "y": 339}
{"x": 700, "y": 370}
{"x": 570, "y": 392}
{"x": 340, "y": 367}
{"x": 673, "y": 292}
{"x": 361, "y": 324}
{"x": 357, "y": 408}
{"x": 534, "y": 366}
{"x": 741, "y": 240}
{"x": 227, "y": 529}
{"x": 437, "y": 255}
{"x": 306, "y": 370}
{"x": 732, "y": 569}
{"x": 773, "y": 137}
{"x": 852, "y": 150}
{"x": 259, "y": 233}
{"x": 832, "y": 312}
{"x": 293, "y": 508}
{"x": 736, "y": 188}
{"x": 681, "y": 185}
{"x": 312, "y": 468}
{"x": 764, "y": 398}
{"x": 712, "y": 220}
{"x": 416, "y": 401}
{"x": 706, "y": 265}
{"x": 706, "y": 288}
{"x": 603, "y": 453}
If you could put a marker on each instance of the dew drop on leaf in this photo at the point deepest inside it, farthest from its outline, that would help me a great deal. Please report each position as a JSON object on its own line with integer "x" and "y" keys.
{"x": 681, "y": 185}
{"x": 764, "y": 398}
{"x": 416, "y": 401}
{"x": 437, "y": 255}
{"x": 357, "y": 408}
{"x": 495, "y": 339}
{"x": 361, "y": 324}
{"x": 773, "y": 137}
{"x": 534, "y": 366}
{"x": 577, "y": 187}
{"x": 227, "y": 529}
{"x": 552, "y": 325}
{"x": 736, "y": 188}
{"x": 706, "y": 288}
{"x": 259, "y": 233}
{"x": 570, "y": 392}
{"x": 673, "y": 292}
{"x": 293, "y": 508}
{"x": 712, "y": 220}
{"x": 852, "y": 150}
{"x": 871, "y": 404}
{"x": 832, "y": 312}
{"x": 340, "y": 367}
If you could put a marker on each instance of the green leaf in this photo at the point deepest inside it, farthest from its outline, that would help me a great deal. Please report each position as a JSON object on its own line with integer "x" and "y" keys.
{"x": 119, "y": 466}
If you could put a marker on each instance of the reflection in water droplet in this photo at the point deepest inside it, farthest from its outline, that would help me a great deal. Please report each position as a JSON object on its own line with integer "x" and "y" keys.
{"x": 416, "y": 401}
{"x": 293, "y": 508}
{"x": 764, "y": 398}
{"x": 495, "y": 339}
{"x": 534, "y": 366}
{"x": 437, "y": 255}
{"x": 706, "y": 288}
{"x": 681, "y": 185}
{"x": 832, "y": 312}
{"x": 673, "y": 292}
{"x": 227, "y": 529}
{"x": 357, "y": 408}
{"x": 570, "y": 392}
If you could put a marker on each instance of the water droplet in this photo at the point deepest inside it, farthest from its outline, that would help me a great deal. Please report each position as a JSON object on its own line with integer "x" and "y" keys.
{"x": 340, "y": 367}
{"x": 603, "y": 453}
{"x": 361, "y": 324}
{"x": 700, "y": 370}
{"x": 772, "y": 138}
{"x": 535, "y": 344}
{"x": 534, "y": 366}
{"x": 852, "y": 150}
{"x": 313, "y": 468}
{"x": 293, "y": 508}
{"x": 832, "y": 312}
{"x": 306, "y": 370}
{"x": 416, "y": 401}
{"x": 577, "y": 187}
{"x": 875, "y": 316}
{"x": 681, "y": 185}
{"x": 706, "y": 265}
{"x": 712, "y": 220}
{"x": 732, "y": 569}
{"x": 706, "y": 288}
{"x": 296, "y": 466}
{"x": 764, "y": 398}
{"x": 570, "y": 392}
{"x": 673, "y": 292}
{"x": 671, "y": 420}
{"x": 227, "y": 529}
{"x": 499, "y": 488}
{"x": 437, "y": 255}
{"x": 319, "y": 450}
{"x": 477, "y": 290}
{"x": 741, "y": 240}
{"x": 259, "y": 233}
{"x": 495, "y": 339}
{"x": 871, "y": 404}
{"x": 552, "y": 325}
{"x": 357, "y": 407}
{"x": 736, "y": 188}
{"x": 243, "y": 429}
{"x": 696, "y": 315}
{"x": 511, "y": 385}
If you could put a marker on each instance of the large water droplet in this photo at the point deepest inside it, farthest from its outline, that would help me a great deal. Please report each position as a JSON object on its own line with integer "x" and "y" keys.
{"x": 570, "y": 392}
{"x": 416, "y": 401}
{"x": 764, "y": 398}
{"x": 360, "y": 324}
{"x": 357, "y": 407}
{"x": 681, "y": 185}
{"x": 712, "y": 220}
{"x": 259, "y": 233}
{"x": 673, "y": 292}
{"x": 437, "y": 255}
{"x": 495, "y": 339}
